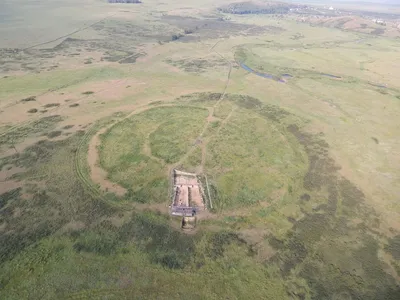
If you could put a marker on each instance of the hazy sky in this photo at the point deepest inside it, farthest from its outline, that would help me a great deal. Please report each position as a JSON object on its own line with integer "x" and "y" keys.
{"x": 391, "y": 2}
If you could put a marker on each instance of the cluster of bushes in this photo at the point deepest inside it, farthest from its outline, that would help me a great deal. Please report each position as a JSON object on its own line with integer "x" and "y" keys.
{"x": 252, "y": 8}
{"x": 175, "y": 37}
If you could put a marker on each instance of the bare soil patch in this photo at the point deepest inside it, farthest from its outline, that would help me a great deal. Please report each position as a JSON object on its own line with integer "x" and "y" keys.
{"x": 112, "y": 89}
{"x": 7, "y": 172}
{"x": 9, "y": 185}
{"x": 97, "y": 174}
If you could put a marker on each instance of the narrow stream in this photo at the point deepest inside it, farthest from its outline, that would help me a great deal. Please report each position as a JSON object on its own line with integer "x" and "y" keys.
{"x": 283, "y": 76}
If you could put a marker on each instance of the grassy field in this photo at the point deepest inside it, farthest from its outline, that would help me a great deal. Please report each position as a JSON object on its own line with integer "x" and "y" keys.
{"x": 303, "y": 170}
{"x": 137, "y": 151}
{"x": 40, "y": 83}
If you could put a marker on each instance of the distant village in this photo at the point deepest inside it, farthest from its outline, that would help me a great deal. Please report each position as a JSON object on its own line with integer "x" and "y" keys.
{"x": 124, "y": 1}
{"x": 389, "y": 24}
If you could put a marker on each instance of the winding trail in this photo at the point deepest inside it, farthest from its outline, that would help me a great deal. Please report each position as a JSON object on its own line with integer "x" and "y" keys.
{"x": 147, "y": 150}
{"x": 209, "y": 119}
{"x": 97, "y": 174}
{"x": 205, "y": 127}
{"x": 204, "y": 145}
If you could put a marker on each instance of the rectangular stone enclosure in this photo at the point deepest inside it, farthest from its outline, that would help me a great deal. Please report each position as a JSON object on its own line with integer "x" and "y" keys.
{"x": 188, "y": 194}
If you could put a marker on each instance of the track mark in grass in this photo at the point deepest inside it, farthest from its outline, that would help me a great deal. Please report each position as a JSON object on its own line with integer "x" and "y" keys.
{"x": 53, "y": 134}
{"x": 40, "y": 213}
{"x": 33, "y": 111}
{"x": 88, "y": 93}
{"x": 74, "y": 105}
{"x": 155, "y": 103}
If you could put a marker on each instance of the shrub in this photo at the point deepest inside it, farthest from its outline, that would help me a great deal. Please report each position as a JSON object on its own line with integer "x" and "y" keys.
{"x": 31, "y": 98}
{"x": 104, "y": 243}
{"x": 52, "y": 105}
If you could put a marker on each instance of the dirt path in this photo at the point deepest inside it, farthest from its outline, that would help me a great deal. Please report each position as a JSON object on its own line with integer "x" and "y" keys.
{"x": 208, "y": 120}
{"x": 205, "y": 143}
{"x": 6, "y": 186}
{"x": 97, "y": 174}
{"x": 210, "y": 117}
{"x": 147, "y": 150}
{"x": 58, "y": 110}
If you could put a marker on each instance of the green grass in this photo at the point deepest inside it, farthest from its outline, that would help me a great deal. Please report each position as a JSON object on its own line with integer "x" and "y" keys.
{"x": 18, "y": 133}
{"x": 224, "y": 109}
{"x": 136, "y": 151}
{"x": 41, "y": 212}
{"x": 197, "y": 65}
{"x": 193, "y": 161}
{"x": 313, "y": 61}
{"x": 173, "y": 138}
{"x": 37, "y": 262}
{"x": 275, "y": 66}
{"x": 119, "y": 259}
{"x": 57, "y": 234}
{"x": 35, "y": 84}
{"x": 81, "y": 167}
{"x": 285, "y": 224}
{"x": 203, "y": 275}
{"x": 250, "y": 158}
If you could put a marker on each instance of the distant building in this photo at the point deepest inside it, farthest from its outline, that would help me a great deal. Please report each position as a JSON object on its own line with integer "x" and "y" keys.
{"x": 124, "y": 1}
{"x": 331, "y": 8}
{"x": 379, "y": 21}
